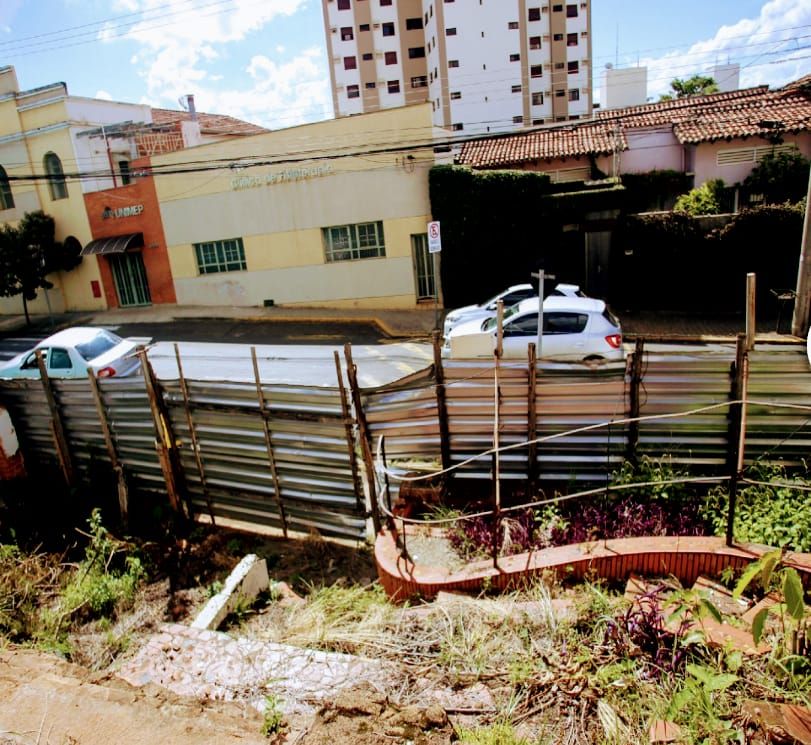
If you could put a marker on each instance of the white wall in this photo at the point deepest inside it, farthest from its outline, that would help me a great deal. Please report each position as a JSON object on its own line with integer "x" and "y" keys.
{"x": 624, "y": 87}
{"x": 651, "y": 149}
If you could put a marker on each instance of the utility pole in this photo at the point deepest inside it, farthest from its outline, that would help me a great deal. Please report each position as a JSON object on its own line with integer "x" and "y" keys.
{"x": 799, "y": 324}
{"x": 541, "y": 277}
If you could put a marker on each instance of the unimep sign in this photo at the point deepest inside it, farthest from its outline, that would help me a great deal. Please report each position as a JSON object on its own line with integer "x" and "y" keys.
{"x": 132, "y": 211}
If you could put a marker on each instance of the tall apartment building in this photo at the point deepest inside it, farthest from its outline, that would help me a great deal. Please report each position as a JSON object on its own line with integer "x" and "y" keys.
{"x": 485, "y": 65}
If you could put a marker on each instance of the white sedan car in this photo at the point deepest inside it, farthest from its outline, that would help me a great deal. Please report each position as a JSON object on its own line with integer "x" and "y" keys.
{"x": 72, "y": 352}
{"x": 573, "y": 329}
{"x": 510, "y": 296}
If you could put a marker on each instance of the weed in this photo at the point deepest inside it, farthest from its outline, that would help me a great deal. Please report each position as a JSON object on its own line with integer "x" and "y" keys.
{"x": 215, "y": 588}
{"x": 273, "y": 723}
{"x": 500, "y": 733}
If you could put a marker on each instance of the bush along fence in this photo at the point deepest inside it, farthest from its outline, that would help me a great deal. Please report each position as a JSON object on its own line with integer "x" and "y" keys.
{"x": 299, "y": 458}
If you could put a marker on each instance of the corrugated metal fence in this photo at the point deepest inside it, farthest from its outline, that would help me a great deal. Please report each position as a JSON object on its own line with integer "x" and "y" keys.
{"x": 285, "y": 455}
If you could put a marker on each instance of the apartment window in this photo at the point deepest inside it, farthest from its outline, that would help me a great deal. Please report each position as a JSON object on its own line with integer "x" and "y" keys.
{"x": 56, "y": 176}
{"x": 512, "y": 25}
{"x": 6, "y": 198}
{"x": 343, "y": 4}
{"x": 350, "y": 63}
{"x": 557, "y": 37}
{"x": 537, "y": 122}
{"x": 571, "y": 11}
{"x": 391, "y": 58}
{"x": 363, "y": 27}
{"x": 350, "y": 242}
{"x": 431, "y": 76}
{"x": 534, "y": 14}
{"x": 388, "y": 29}
{"x": 574, "y": 94}
{"x": 394, "y": 86}
{"x": 456, "y": 95}
{"x": 558, "y": 65}
{"x": 412, "y": 24}
{"x": 385, "y": 2}
{"x": 458, "y": 127}
{"x": 557, "y": 8}
{"x": 518, "y": 119}
{"x": 571, "y": 40}
{"x": 536, "y": 71}
{"x": 353, "y": 91}
{"x": 516, "y": 89}
{"x": 537, "y": 98}
{"x": 371, "y": 86}
{"x": 366, "y": 56}
{"x": 534, "y": 42}
{"x": 220, "y": 256}
{"x": 515, "y": 57}
{"x": 560, "y": 93}
{"x": 426, "y": 19}
{"x": 419, "y": 81}
{"x": 450, "y": 31}
{"x": 124, "y": 172}
{"x": 416, "y": 52}
{"x": 572, "y": 67}
{"x": 347, "y": 34}
{"x": 453, "y": 63}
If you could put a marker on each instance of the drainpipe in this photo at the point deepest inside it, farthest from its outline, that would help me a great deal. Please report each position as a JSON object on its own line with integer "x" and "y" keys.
{"x": 109, "y": 155}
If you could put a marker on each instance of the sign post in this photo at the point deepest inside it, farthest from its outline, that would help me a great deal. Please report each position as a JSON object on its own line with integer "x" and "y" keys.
{"x": 434, "y": 247}
{"x": 541, "y": 276}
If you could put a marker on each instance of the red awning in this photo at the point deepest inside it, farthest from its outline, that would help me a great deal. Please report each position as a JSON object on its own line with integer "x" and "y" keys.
{"x": 116, "y": 245}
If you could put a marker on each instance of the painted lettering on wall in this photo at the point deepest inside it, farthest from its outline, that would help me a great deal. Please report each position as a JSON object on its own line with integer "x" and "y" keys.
{"x": 289, "y": 174}
{"x": 131, "y": 211}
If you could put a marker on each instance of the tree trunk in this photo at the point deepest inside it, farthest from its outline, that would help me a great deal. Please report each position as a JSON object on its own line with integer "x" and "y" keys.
{"x": 25, "y": 310}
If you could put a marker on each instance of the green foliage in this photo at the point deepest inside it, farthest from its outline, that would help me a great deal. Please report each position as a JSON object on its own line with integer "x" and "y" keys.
{"x": 779, "y": 178}
{"x": 696, "y": 85}
{"x": 24, "y": 580}
{"x": 703, "y": 704}
{"x": 500, "y": 733}
{"x": 273, "y": 723}
{"x": 654, "y": 190}
{"x": 704, "y": 200}
{"x": 777, "y": 516}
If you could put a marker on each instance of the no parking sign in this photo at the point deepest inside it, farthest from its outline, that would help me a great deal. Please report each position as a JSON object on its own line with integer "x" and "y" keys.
{"x": 434, "y": 238}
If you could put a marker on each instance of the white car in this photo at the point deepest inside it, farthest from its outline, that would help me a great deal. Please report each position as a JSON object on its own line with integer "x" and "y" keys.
{"x": 510, "y": 296}
{"x": 72, "y": 352}
{"x": 574, "y": 329}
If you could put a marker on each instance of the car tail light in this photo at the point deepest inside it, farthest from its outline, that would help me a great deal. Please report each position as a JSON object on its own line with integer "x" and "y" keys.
{"x": 106, "y": 372}
{"x": 614, "y": 340}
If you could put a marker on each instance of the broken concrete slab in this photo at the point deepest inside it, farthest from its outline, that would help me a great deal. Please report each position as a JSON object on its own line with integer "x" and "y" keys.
{"x": 721, "y": 597}
{"x": 780, "y": 720}
{"x": 246, "y": 581}
{"x": 721, "y": 635}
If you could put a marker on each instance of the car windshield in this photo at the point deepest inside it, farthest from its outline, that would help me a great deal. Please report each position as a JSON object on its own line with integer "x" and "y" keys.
{"x": 102, "y": 342}
{"x": 491, "y": 323}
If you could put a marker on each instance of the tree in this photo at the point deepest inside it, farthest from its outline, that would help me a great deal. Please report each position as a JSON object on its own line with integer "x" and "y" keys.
{"x": 705, "y": 200}
{"x": 697, "y": 85}
{"x": 28, "y": 254}
{"x": 779, "y": 178}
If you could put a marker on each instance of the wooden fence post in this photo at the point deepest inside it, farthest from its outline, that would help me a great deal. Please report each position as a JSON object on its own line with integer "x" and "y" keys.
{"x": 635, "y": 380}
{"x": 277, "y": 485}
{"x": 736, "y": 439}
{"x": 350, "y": 436}
{"x": 115, "y": 462}
{"x": 442, "y": 406}
{"x": 532, "y": 420}
{"x": 57, "y": 427}
{"x": 165, "y": 443}
{"x": 365, "y": 438}
{"x": 195, "y": 442}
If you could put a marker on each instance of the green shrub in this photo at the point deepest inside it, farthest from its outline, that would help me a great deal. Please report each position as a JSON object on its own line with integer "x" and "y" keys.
{"x": 704, "y": 200}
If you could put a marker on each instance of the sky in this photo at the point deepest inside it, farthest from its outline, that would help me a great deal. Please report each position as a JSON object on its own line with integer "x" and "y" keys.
{"x": 265, "y": 61}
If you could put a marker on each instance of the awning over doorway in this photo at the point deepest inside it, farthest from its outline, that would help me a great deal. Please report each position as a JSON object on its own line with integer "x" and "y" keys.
{"x": 115, "y": 245}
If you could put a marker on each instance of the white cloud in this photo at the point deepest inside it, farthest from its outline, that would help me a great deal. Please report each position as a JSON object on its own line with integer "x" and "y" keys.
{"x": 190, "y": 47}
{"x": 770, "y": 49}
{"x": 103, "y": 95}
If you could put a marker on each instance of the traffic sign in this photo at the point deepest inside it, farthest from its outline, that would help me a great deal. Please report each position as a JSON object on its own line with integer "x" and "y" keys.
{"x": 434, "y": 238}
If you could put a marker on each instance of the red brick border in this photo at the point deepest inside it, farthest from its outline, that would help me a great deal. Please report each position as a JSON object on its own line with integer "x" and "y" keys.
{"x": 683, "y": 557}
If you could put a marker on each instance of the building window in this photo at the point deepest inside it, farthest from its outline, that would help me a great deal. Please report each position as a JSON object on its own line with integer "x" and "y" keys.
{"x": 56, "y": 176}
{"x": 391, "y": 58}
{"x": 371, "y": 86}
{"x": 124, "y": 172}
{"x": 412, "y": 24}
{"x": 518, "y": 119}
{"x": 347, "y": 34}
{"x": 536, "y": 71}
{"x": 220, "y": 256}
{"x": 512, "y": 25}
{"x": 388, "y": 29}
{"x": 534, "y": 42}
{"x": 385, "y": 2}
{"x": 560, "y": 93}
{"x": 515, "y": 58}
{"x": 534, "y": 14}
{"x": 537, "y": 98}
{"x": 557, "y": 37}
{"x": 571, "y": 40}
{"x": 343, "y": 4}
{"x": 350, "y": 242}
{"x": 366, "y": 56}
{"x": 450, "y": 31}
{"x": 419, "y": 81}
{"x": 363, "y": 27}
{"x": 458, "y": 127}
{"x": 537, "y": 122}
{"x": 573, "y": 67}
{"x": 557, "y": 8}
{"x": 574, "y": 94}
{"x": 353, "y": 91}
{"x": 350, "y": 63}
{"x": 416, "y": 52}
{"x": 6, "y": 199}
{"x": 394, "y": 86}
{"x": 456, "y": 95}
{"x": 516, "y": 89}
{"x": 453, "y": 63}
{"x": 558, "y": 65}
{"x": 571, "y": 11}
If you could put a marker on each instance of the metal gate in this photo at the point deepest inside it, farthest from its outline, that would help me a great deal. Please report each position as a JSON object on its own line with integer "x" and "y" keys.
{"x": 129, "y": 273}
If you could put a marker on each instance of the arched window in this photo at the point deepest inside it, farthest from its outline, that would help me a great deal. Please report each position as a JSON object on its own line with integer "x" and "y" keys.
{"x": 56, "y": 176}
{"x": 6, "y": 199}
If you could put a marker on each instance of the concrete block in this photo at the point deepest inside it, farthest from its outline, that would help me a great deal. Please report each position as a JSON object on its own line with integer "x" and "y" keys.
{"x": 249, "y": 578}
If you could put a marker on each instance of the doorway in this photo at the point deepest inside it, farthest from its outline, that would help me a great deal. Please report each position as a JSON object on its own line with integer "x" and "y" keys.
{"x": 424, "y": 274}
{"x": 129, "y": 274}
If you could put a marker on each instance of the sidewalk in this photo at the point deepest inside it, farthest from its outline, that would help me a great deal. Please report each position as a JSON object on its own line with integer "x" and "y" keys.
{"x": 416, "y": 323}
